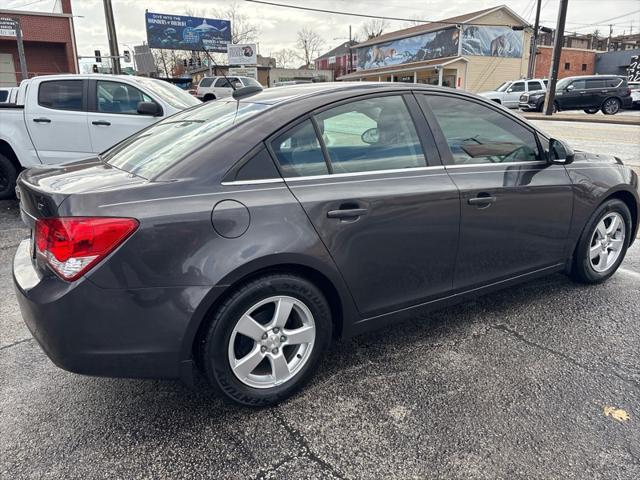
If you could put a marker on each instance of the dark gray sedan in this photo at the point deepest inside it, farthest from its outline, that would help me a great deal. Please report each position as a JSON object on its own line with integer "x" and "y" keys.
{"x": 240, "y": 237}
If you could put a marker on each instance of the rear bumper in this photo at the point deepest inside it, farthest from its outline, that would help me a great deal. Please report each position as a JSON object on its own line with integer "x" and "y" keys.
{"x": 107, "y": 332}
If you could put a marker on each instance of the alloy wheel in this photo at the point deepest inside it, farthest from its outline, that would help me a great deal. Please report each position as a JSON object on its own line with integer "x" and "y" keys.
{"x": 611, "y": 106}
{"x": 271, "y": 342}
{"x": 607, "y": 242}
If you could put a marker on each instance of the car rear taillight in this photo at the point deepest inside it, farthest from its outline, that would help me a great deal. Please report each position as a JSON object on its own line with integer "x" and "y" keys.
{"x": 73, "y": 245}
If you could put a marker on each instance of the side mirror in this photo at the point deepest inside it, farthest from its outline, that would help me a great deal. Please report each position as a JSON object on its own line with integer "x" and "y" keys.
{"x": 560, "y": 153}
{"x": 509, "y": 90}
{"x": 149, "y": 108}
{"x": 370, "y": 136}
{"x": 569, "y": 88}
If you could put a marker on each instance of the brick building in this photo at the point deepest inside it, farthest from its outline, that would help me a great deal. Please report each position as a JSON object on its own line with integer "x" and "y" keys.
{"x": 338, "y": 60}
{"x": 573, "y": 61}
{"x": 49, "y": 44}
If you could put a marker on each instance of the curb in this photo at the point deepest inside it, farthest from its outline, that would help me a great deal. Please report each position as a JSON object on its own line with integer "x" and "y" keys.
{"x": 612, "y": 119}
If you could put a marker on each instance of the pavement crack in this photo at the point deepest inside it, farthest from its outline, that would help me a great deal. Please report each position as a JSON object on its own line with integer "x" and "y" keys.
{"x": 557, "y": 353}
{"x": 302, "y": 442}
{"x": 15, "y": 343}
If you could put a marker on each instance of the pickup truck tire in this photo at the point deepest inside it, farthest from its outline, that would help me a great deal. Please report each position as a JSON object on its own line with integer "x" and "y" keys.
{"x": 8, "y": 177}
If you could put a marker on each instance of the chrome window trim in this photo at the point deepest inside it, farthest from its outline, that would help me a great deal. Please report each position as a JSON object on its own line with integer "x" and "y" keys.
{"x": 253, "y": 182}
{"x": 505, "y": 164}
{"x": 355, "y": 174}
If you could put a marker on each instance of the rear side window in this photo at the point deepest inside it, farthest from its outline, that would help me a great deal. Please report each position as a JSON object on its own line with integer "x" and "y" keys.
{"x": 535, "y": 86}
{"x": 371, "y": 134}
{"x": 61, "y": 94}
{"x": 4, "y": 94}
{"x": 206, "y": 82}
{"x": 299, "y": 153}
{"x": 477, "y": 134}
{"x": 258, "y": 167}
{"x": 596, "y": 83}
{"x": 613, "y": 82}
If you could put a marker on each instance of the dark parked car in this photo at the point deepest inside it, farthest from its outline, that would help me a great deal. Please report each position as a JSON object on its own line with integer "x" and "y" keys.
{"x": 608, "y": 93}
{"x": 239, "y": 238}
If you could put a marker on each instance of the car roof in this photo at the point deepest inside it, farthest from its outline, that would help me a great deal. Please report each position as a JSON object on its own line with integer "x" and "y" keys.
{"x": 275, "y": 95}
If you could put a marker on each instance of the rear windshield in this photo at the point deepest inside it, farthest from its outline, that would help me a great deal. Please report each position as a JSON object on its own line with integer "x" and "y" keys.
{"x": 155, "y": 149}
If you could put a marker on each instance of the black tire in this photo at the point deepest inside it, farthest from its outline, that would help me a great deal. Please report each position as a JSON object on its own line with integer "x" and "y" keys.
{"x": 215, "y": 344}
{"x": 540, "y": 106}
{"x": 582, "y": 271}
{"x": 611, "y": 106}
{"x": 556, "y": 107}
{"x": 591, "y": 111}
{"x": 8, "y": 177}
{"x": 208, "y": 97}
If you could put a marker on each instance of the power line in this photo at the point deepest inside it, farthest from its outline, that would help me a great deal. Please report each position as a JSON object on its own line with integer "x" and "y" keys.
{"x": 364, "y": 15}
{"x": 26, "y": 4}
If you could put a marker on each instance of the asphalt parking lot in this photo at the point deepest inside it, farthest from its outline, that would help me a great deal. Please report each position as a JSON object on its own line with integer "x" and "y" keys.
{"x": 538, "y": 381}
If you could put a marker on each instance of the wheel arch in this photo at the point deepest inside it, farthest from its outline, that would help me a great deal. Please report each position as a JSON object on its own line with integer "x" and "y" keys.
{"x": 632, "y": 204}
{"x": 329, "y": 282}
{"x": 7, "y": 150}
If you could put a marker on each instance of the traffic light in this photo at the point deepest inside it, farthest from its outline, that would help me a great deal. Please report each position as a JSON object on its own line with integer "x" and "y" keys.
{"x": 199, "y": 63}
{"x": 127, "y": 56}
{"x": 95, "y": 68}
{"x": 98, "y": 56}
{"x": 191, "y": 62}
{"x": 184, "y": 62}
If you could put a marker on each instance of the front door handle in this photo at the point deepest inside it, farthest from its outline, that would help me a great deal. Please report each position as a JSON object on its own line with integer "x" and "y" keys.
{"x": 349, "y": 213}
{"x": 42, "y": 120}
{"x": 482, "y": 200}
{"x": 101, "y": 122}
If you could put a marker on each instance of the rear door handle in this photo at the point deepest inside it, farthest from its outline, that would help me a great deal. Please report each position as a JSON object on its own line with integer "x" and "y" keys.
{"x": 42, "y": 120}
{"x": 481, "y": 200}
{"x": 347, "y": 213}
{"x": 101, "y": 122}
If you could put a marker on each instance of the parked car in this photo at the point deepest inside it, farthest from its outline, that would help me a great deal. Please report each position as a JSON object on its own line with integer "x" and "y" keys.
{"x": 608, "y": 93}
{"x": 508, "y": 94}
{"x": 239, "y": 238}
{"x": 8, "y": 94}
{"x": 60, "y": 118}
{"x": 212, "y": 88}
{"x": 635, "y": 94}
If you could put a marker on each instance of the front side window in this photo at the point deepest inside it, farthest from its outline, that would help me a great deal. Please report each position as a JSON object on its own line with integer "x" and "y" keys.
{"x": 115, "y": 97}
{"x": 61, "y": 94}
{"x": 477, "y": 134}
{"x": 372, "y": 134}
{"x": 517, "y": 87}
{"x": 579, "y": 84}
{"x": 299, "y": 153}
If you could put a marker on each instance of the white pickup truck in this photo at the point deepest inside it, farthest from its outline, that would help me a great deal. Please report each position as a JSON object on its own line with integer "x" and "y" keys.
{"x": 61, "y": 118}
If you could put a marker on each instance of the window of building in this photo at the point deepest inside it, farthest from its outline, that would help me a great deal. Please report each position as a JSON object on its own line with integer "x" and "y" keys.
{"x": 371, "y": 134}
{"x": 567, "y": 66}
{"x": 477, "y": 134}
{"x": 584, "y": 67}
{"x": 61, "y": 94}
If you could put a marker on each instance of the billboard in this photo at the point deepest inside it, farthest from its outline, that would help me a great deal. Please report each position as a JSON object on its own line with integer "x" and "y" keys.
{"x": 633, "y": 72}
{"x": 177, "y": 32}
{"x": 489, "y": 41}
{"x": 242, "y": 54}
{"x": 443, "y": 43}
{"x": 7, "y": 27}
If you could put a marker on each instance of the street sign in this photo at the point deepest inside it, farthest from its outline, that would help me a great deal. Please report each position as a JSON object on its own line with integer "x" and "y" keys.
{"x": 177, "y": 32}
{"x": 242, "y": 54}
{"x": 7, "y": 27}
{"x": 251, "y": 72}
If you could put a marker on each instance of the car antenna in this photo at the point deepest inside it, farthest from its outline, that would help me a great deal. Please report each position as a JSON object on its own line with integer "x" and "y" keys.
{"x": 217, "y": 66}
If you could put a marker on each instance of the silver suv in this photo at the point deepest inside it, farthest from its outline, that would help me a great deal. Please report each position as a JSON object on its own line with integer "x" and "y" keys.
{"x": 508, "y": 94}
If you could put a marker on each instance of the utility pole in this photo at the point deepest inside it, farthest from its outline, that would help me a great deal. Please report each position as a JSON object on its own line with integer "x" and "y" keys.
{"x": 534, "y": 43}
{"x": 24, "y": 73}
{"x": 113, "y": 40}
{"x": 350, "y": 52}
{"x": 610, "y": 35}
{"x": 555, "y": 63}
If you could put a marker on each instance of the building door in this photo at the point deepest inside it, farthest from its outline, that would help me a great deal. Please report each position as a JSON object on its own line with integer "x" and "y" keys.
{"x": 7, "y": 70}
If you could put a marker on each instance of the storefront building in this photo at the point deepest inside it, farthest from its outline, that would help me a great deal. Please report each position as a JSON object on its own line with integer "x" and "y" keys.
{"x": 475, "y": 52}
{"x": 49, "y": 44}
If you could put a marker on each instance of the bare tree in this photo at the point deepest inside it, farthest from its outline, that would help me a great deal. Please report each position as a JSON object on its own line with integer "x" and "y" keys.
{"x": 374, "y": 28}
{"x": 309, "y": 44}
{"x": 285, "y": 57}
{"x": 242, "y": 28}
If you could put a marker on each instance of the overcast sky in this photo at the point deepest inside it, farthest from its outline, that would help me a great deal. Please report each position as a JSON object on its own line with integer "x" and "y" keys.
{"x": 278, "y": 26}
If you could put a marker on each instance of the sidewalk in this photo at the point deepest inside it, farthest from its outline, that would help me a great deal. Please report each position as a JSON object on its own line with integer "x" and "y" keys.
{"x": 620, "y": 119}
